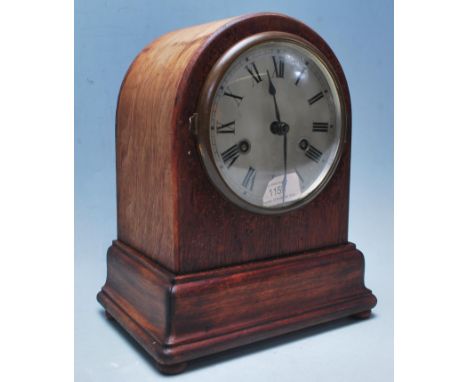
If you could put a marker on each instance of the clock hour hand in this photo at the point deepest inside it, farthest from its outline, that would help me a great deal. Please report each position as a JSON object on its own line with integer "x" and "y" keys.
{"x": 272, "y": 91}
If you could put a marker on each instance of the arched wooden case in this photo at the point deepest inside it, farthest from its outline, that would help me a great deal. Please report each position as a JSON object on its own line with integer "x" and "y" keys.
{"x": 190, "y": 273}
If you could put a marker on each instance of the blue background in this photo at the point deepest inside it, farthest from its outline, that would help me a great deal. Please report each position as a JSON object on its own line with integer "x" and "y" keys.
{"x": 108, "y": 35}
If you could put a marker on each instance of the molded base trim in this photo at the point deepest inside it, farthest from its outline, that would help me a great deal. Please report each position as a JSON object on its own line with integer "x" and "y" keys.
{"x": 177, "y": 318}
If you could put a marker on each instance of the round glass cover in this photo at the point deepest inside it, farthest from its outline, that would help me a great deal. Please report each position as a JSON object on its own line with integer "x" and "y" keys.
{"x": 275, "y": 126}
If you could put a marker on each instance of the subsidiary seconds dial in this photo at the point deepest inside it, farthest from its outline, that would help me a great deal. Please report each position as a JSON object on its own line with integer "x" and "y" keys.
{"x": 273, "y": 123}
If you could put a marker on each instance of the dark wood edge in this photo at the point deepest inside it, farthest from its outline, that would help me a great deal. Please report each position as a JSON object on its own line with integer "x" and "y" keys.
{"x": 338, "y": 306}
{"x": 174, "y": 354}
{"x": 181, "y": 278}
{"x": 267, "y": 264}
{"x": 334, "y": 311}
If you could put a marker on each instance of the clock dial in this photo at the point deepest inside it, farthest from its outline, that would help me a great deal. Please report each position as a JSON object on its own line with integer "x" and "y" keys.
{"x": 275, "y": 126}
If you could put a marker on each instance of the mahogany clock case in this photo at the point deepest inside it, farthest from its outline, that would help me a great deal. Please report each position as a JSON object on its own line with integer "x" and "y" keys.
{"x": 190, "y": 273}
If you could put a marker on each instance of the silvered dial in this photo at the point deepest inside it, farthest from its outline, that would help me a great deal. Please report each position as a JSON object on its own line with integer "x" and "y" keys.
{"x": 275, "y": 125}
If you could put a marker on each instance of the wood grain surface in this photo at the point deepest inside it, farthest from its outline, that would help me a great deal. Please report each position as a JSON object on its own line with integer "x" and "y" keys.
{"x": 177, "y": 318}
{"x": 147, "y": 177}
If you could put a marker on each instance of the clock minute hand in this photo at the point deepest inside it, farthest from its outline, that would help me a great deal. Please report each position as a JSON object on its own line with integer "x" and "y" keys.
{"x": 285, "y": 163}
{"x": 272, "y": 91}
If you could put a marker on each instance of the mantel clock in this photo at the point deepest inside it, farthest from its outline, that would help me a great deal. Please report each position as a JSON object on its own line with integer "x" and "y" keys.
{"x": 233, "y": 162}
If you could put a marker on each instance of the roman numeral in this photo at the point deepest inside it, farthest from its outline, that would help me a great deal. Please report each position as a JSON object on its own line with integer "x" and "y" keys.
{"x": 315, "y": 98}
{"x": 279, "y": 67}
{"x": 236, "y": 97}
{"x": 230, "y": 155}
{"x": 254, "y": 72}
{"x": 249, "y": 179}
{"x": 227, "y": 128}
{"x": 320, "y": 127}
{"x": 299, "y": 76}
{"x": 313, "y": 153}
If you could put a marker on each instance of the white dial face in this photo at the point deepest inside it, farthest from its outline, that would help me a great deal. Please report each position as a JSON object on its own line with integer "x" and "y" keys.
{"x": 275, "y": 124}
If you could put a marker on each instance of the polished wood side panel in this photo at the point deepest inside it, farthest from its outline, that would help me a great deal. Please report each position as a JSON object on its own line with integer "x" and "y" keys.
{"x": 147, "y": 178}
{"x": 217, "y": 310}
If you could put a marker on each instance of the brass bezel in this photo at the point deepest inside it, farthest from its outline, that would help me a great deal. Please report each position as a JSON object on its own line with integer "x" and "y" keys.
{"x": 204, "y": 109}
